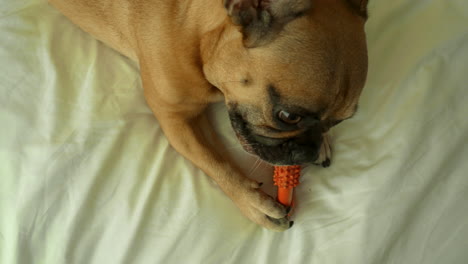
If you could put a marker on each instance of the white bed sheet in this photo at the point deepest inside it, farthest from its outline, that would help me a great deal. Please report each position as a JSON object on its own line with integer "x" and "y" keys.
{"x": 87, "y": 176}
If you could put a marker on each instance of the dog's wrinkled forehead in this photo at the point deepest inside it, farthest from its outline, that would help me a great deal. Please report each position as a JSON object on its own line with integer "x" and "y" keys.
{"x": 310, "y": 81}
{"x": 322, "y": 48}
{"x": 262, "y": 20}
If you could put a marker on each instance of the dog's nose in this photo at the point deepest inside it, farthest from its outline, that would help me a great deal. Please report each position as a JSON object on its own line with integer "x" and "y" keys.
{"x": 306, "y": 147}
{"x": 305, "y": 154}
{"x": 303, "y": 149}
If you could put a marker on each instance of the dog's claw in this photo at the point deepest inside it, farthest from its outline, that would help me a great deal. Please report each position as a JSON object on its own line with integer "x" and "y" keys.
{"x": 281, "y": 223}
{"x": 273, "y": 220}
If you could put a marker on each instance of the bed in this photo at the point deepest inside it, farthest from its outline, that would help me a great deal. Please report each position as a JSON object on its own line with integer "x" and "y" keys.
{"x": 87, "y": 176}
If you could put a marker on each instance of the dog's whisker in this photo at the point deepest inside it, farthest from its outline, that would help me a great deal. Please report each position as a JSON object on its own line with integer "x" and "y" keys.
{"x": 254, "y": 167}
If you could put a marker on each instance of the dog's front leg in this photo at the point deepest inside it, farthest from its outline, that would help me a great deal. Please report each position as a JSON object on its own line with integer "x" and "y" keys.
{"x": 183, "y": 125}
{"x": 185, "y": 135}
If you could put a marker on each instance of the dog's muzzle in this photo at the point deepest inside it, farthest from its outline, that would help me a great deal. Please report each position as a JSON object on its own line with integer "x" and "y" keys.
{"x": 299, "y": 150}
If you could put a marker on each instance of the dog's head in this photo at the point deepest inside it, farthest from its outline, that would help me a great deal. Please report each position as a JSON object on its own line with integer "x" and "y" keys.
{"x": 289, "y": 70}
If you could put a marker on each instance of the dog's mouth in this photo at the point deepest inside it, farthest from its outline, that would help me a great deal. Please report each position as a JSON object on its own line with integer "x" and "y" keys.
{"x": 299, "y": 150}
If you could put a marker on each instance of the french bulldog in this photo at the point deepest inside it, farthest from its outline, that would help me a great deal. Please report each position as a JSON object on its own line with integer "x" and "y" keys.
{"x": 288, "y": 71}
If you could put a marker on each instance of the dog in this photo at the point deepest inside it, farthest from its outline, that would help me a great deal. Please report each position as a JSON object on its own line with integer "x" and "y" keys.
{"x": 288, "y": 71}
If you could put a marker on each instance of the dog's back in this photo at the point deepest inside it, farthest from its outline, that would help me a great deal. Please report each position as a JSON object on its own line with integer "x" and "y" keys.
{"x": 125, "y": 24}
{"x": 106, "y": 20}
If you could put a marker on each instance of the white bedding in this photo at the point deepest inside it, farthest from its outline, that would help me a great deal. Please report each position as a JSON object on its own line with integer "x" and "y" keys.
{"x": 87, "y": 176}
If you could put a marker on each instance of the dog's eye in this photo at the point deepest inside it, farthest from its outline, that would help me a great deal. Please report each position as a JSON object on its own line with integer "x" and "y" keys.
{"x": 289, "y": 118}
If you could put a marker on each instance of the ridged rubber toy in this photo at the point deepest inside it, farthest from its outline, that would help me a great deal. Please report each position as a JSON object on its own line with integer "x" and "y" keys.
{"x": 286, "y": 178}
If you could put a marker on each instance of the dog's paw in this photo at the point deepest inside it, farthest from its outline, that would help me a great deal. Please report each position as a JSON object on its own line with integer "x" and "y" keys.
{"x": 262, "y": 208}
{"x": 324, "y": 158}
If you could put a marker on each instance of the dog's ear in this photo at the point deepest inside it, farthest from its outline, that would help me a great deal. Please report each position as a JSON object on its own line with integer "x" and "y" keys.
{"x": 262, "y": 20}
{"x": 360, "y": 6}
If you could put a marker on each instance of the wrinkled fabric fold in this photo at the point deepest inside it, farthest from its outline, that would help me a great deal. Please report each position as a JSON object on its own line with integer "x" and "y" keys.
{"x": 87, "y": 175}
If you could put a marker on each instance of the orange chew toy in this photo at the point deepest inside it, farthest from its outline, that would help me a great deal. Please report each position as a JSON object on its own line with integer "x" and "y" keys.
{"x": 286, "y": 178}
